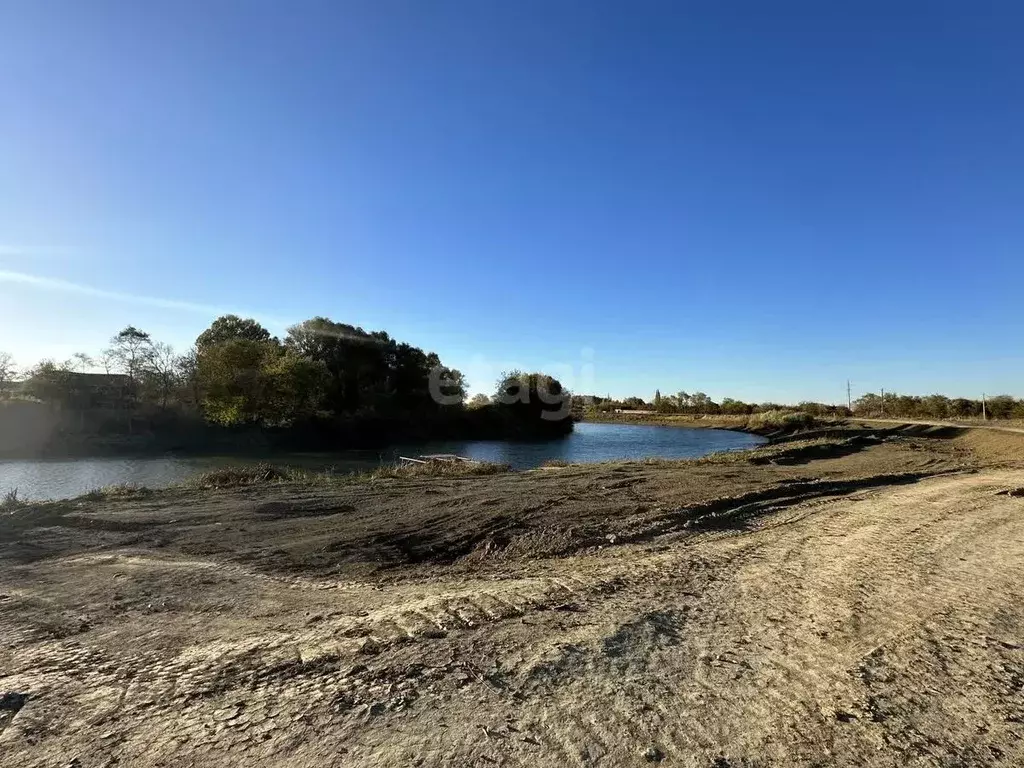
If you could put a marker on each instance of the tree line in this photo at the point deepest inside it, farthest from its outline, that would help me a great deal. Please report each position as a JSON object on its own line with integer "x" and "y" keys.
{"x": 325, "y": 383}
{"x": 938, "y": 407}
{"x": 697, "y": 404}
{"x": 870, "y": 405}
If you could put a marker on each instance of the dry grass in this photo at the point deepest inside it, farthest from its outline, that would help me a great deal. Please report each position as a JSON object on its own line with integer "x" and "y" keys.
{"x": 438, "y": 469}
{"x": 11, "y": 501}
{"x": 123, "y": 491}
{"x": 694, "y": 421}
{"x": 787, "y": 420}
{"x": 252, "y": 474}
{"x": 263, "y": 473}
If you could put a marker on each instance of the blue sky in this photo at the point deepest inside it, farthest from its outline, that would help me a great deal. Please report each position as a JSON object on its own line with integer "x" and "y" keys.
{"x": 751, "y": 199}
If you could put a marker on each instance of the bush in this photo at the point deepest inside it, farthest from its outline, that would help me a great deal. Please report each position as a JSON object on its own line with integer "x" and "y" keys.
{"x": 528, "y": 406}
{"x": 788, "y": 420}
{"x": 11, "y": 501}
{"x": 254, "y": 474}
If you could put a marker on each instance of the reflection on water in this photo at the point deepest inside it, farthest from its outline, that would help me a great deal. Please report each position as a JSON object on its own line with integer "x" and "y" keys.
{"x": 589, "y": 442}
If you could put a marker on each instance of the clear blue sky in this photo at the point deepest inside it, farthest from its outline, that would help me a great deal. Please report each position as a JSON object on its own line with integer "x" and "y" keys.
{"x": 746, "y": 198}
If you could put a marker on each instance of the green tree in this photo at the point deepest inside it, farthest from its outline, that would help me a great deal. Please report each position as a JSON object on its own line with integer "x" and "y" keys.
{"x": 362, "y": 366}
{"x": 447, "y": 385}
{"x": 230, "y": 328}
{"x": 371, "y": 372}
{"x": 293, "y": 388}
{"x": 734, "y": 407}
{"x": 533, "y": 403}
{"x": 231, "y": 380}
{"x": 701, "y": 403}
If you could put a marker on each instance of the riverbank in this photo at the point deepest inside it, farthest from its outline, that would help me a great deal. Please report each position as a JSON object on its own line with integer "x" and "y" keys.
{"x": 772, "y": 425}
{"x": 32, "y": 430}
{"x": 63, "y": 478}
{"x": 853, "y": 595}
{"x": 775, "y": 427}
{"x": 737, "y": 423}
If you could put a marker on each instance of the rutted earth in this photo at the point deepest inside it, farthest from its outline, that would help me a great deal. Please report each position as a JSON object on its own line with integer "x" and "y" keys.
{"x": 843, "y": 602}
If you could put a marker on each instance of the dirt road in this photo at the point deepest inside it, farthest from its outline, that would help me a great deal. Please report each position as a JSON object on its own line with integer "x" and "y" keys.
{"x": 881, "y": 626}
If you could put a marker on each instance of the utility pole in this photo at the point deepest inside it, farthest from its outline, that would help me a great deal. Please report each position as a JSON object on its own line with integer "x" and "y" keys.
{"x": 849, "y": 399}
{"x": 984, "y": 408}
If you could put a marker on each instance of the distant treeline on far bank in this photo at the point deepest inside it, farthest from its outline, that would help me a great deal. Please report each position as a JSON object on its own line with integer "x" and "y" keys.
{"x": 326, "y": 385}
{"x": 871, "y": 405}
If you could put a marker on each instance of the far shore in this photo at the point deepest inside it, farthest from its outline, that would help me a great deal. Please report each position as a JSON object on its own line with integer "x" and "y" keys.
{"x": 743, "y": 423}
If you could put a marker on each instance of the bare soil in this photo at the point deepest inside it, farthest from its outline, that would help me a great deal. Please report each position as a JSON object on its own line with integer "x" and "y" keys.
{"x": 853, "y": 599}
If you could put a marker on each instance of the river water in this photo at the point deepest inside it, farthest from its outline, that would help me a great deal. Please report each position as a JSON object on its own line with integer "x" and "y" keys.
{"x": 55, "y": 479}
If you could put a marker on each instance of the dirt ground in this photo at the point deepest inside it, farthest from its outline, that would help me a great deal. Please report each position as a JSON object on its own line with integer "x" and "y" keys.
{"x": 845, "y": 600}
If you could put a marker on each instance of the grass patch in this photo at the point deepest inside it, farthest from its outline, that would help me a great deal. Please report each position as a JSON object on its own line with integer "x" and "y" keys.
{"x": 556, "y": 463}
{"x": 118, "y": 491}
{"x": 11, "y": 501}
{"x": 438, "y": 469}
{"x": 264, "y": 473}
{"x": 252, "y": 474}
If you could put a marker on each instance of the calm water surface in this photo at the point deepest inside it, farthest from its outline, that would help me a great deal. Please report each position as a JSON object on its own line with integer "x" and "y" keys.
{"x": 54, "y": 479}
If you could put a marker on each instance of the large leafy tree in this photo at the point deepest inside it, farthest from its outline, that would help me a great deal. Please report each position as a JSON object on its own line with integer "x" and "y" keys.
{"x": 232, "y": 382}
{"x": 371, "y": 372}
{"x": 294, "y": 388}
{"x": 357, "y": 362}
{"x": 245, "y": 376}
{"x": 533, "y": 403}
{"x": 231, "y": 327}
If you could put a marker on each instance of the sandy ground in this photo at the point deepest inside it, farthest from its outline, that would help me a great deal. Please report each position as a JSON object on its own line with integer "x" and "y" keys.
{"x": 834, "y": 602}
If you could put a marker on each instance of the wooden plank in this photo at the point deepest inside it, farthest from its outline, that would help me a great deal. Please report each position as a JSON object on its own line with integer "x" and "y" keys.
{"x": 414, "y": 461}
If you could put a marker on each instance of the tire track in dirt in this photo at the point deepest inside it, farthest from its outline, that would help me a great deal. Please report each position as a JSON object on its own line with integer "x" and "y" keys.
{"x": 876, "y": 573}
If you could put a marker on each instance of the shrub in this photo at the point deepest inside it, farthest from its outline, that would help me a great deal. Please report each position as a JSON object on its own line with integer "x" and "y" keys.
{"x": 253, "y": 474}
{"x": 11, "y": 501}
{"x": 781, "y": 420}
